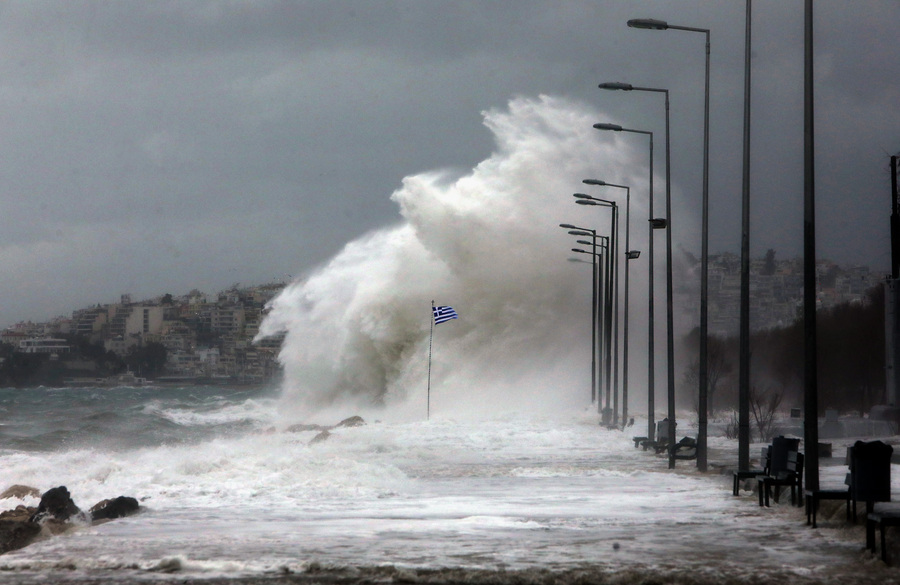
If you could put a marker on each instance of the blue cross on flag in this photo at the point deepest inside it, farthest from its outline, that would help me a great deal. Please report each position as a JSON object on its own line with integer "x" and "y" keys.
{"x": 442, "y": 314}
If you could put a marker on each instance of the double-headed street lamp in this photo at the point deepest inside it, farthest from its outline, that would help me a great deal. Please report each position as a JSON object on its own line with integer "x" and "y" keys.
{"x": 601, "y": 283}
{"x": 651, "y": 24}
{"x": 603, "y": 299}
{"x": 670, "y": 310}
{"x": 575, "y": 230}
{"x": 651, "y": 390}
{"x": 629, "y": 255}
{"x": 611, "y": 305}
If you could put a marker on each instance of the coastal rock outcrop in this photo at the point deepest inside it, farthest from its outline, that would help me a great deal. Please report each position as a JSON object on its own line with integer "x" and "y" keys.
{"x": 20, "y": 492}
{"x": 114, "y": 508}
{"x": 55, "y": 514}
{"x": 353, "y": 421}
{"x": 57, "y": 504}
{"x": 320, "y": 437}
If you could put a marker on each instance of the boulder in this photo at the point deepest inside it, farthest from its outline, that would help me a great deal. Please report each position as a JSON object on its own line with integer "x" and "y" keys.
{"x": 20, "y": 492}
{"x": 353, "y": 421}
{"x": 20, "y": 514}
{"x": 300, "y": 428}
{"x": 16, "y": 534}
{"x": 55, "y": 514}
{"x": 114, "y": 508}
{"x": 320, "y": 437}
{"x": 57, "y": 504}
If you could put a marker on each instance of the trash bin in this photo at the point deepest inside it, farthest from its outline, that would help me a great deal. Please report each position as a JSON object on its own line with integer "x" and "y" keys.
{"x": 870, "y": 473}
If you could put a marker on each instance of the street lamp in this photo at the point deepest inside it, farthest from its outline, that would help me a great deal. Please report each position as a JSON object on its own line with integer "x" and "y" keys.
{"x": 651, "y": 24}
{"x": 651, "y": 391}
{"x": 670, "y": 310}
{"x": 600, "y": 282}
{"x": 611, "y": 304}
{"x": 575, "y": 230}
{"x": 629, "y": 255}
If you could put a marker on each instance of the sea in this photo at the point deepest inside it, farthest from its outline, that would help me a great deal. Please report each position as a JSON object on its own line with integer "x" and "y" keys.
{"x": 230, "y": 492}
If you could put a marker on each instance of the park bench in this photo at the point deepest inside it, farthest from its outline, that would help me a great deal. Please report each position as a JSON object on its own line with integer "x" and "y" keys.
{"x": 813, "y": 497}
{"x": 869, "y": 480}
{"x": 686, "y": 448}
{"x": 662, "y": 438}
{"x": 739, "y": 475}
{"x": 791, "y": 476}
{"x": 881, "y": 516}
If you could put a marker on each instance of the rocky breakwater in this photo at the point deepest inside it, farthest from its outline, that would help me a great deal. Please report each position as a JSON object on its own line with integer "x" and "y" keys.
{"x": 56, "y": 513}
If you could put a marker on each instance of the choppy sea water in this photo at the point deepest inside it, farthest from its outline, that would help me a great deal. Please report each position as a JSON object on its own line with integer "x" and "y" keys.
{"x": 229, "y": 494}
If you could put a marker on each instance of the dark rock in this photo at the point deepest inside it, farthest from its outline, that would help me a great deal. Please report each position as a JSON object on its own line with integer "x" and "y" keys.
{"x": 20, "y": 492}
{"x": 353, "y": 421}
{"x": 114, "y": 508}
{"x": 300, "y": 428}
{"x": 320, "y": 437}
{"x": 20, "y": 514}
{"x": 15, "y": 534}
{"x": 56, "y": 503}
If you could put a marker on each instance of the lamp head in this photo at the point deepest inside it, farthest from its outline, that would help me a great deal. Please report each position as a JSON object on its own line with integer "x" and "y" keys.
{"x": 581, "y": 196}
{"x": 616, "y": 85}
{"x": 587, "y": 202}
{"x": 648, "y": 23}
{"x": 604, "y": 126}
{"x": 568, "y": 226}
{"x": 659, "y": 223}
{"x": 632, "y": 254}
{"x": 581, "y": 233}
{"x": 596, "y": 182}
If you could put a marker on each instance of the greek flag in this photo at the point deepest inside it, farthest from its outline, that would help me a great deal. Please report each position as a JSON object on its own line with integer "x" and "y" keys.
{"x": 442, "y": 314}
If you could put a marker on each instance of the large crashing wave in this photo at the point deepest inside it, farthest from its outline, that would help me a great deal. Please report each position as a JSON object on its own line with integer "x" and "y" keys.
{"x": 488, "y": 244}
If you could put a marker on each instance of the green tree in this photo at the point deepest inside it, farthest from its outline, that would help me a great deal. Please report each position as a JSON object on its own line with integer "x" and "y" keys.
{"x": 147, "y": 360}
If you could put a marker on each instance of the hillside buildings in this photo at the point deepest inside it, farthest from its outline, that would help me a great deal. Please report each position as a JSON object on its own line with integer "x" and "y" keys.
{"x": 203, "y": 337}
{"x": 776, "y": 291}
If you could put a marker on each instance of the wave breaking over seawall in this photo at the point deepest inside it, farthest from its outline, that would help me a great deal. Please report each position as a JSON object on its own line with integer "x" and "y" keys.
{"x": 486, "y": 243}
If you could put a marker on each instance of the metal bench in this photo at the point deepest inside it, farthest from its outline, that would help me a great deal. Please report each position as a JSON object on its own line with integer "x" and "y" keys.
{"x": 739, "y": 476}
{"x": 881, "y": 516}
{"x": 791, "y": 476}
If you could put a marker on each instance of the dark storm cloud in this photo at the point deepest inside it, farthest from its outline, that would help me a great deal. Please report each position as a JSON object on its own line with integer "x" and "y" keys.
{"x": 152, "y": 147}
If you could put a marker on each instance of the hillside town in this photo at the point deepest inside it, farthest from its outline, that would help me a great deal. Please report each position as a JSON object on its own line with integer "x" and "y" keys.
{"x": 776, "y": 290}
{"x": 194, "y": 338}
{"x": 200, "y": 338}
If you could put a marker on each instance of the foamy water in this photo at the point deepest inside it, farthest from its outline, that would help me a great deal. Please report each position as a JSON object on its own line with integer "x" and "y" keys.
{"x": 511, "y": 492}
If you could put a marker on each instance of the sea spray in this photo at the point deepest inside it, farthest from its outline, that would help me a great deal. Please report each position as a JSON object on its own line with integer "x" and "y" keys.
{"x": 486, "y": 243}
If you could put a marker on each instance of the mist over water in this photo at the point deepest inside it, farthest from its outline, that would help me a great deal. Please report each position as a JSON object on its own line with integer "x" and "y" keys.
{"x": 488, "y": 244}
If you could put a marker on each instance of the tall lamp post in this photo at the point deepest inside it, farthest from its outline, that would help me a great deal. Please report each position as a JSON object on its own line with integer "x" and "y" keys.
{"x": 651, "y": 24}
{"x": 629, "y": 255}
{"x": 651, "y": 390}
{"x": 593, "y": 233}
{"x": 810, "y": 377}
{"x": 670, "y": 311}
{"x": 611, "y": 319}
{"x": 602, "y": 283}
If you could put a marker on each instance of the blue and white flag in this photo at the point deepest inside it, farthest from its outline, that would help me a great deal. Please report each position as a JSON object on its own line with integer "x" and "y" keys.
{"x": 442, "y": 314}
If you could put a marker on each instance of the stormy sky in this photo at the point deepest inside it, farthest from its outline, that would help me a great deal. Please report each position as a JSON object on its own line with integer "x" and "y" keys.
{"x": 154, "y": 147}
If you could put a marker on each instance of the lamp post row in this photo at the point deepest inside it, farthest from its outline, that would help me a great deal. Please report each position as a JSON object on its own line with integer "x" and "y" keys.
{"x": 810, "y": 357}
{"x": 666, "y": 224}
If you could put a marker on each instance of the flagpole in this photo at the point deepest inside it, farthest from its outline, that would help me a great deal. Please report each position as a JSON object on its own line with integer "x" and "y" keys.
{"x": 430, "y": 340}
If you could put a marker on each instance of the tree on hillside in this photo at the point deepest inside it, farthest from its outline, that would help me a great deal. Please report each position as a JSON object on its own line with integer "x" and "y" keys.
{"x": 147, "y": 360}
{"x": 851, "y": 353}
{"x": 718, "y": 367}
